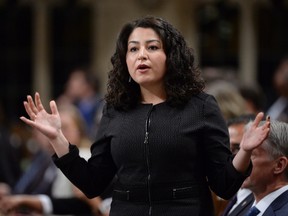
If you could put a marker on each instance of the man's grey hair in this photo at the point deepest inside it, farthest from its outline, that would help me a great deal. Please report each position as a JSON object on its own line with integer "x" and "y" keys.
{"x": 276, "y": 144}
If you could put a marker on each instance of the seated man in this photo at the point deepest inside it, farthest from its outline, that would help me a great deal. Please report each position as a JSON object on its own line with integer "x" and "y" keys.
{"x": 269, "y": 177}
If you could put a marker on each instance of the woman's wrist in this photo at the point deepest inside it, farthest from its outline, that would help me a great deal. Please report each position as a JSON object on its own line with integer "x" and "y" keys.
{"x": 242, "y": 160}
{"x": 60, "y": 144}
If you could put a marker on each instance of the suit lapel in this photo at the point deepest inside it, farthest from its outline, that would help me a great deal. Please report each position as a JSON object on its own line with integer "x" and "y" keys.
{"x": 244, "y": 206}
{"x": 276, "y": 204}
{"x": 230, "y": 205}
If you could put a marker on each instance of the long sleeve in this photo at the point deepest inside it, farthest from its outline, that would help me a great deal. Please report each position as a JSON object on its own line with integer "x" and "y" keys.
{"x": 223, "y": 178}
{"x": 94, "y": 176}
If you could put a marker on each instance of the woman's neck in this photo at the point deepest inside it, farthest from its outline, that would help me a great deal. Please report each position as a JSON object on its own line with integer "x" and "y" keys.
{"x": 153, "y": 96}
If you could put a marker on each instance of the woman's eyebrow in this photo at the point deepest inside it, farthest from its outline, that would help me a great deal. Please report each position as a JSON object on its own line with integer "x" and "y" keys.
{"x": 133, "y": 42}
{"x": 148, "y": 41}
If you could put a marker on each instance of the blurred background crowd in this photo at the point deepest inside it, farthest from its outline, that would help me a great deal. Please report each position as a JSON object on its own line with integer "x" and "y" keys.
{"x": 62, "y": 49}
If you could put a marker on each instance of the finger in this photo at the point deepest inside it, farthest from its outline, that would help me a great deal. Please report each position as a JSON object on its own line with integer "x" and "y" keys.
{"x": 258, "y": 119}
{"x": 267, "y": 123}
{"x": 28, "y": 121}
{"x": 265, "y": 134}
{"x": 29, "y": 111}
{"x": 31, "y": 104}
{"x": 38, "y": 102}
{"x": 53, "y": 107}
{"x": 268, "y": 120}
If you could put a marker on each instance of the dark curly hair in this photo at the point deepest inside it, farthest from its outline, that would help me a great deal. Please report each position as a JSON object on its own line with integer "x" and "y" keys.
{"x": 182, "y": 78}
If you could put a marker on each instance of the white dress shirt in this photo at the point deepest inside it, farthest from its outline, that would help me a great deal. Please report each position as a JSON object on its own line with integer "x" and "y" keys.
{"x": 241, "y": 195}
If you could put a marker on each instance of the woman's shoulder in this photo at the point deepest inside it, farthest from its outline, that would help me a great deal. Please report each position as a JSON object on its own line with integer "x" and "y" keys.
{"x": 202, "y": 103}
{"x": 201, "y": 98}
{"x": 111, "y": 111}
{"x": 108, "y": 110}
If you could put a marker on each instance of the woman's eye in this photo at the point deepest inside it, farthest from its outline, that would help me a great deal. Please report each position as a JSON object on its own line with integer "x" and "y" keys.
{"x": 153, "y": 47}
{"x": 132, "y": 49}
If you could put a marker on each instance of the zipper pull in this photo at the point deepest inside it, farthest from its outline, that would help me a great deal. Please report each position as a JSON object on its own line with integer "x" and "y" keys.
{"x": 146, "y": 137}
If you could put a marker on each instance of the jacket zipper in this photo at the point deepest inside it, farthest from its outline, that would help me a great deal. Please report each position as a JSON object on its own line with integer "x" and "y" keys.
{"x": 146, "y": 143}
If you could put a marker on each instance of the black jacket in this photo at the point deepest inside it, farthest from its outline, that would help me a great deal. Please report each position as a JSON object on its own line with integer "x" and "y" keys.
{"x": 165, "y": 159}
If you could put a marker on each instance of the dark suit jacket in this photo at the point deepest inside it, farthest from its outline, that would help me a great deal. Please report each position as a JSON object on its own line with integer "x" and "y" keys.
{"x": 242, "y": 207}
{"x": 279, "y": 207}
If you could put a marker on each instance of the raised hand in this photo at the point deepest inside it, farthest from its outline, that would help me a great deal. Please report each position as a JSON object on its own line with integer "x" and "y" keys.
{"x": 48, "y": 124}
{"x": 252, "y": 138}
{"x": 255, "y": 133}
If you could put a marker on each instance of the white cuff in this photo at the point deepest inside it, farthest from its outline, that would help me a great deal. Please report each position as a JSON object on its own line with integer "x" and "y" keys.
{"x": 46, "y": 204}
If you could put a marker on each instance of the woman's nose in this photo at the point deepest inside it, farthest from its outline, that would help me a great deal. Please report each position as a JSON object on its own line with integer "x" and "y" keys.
{"x": 142, "y": 54}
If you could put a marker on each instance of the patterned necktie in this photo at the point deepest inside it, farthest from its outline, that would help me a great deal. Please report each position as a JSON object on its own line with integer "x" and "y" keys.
{"x": 253, "y": 211}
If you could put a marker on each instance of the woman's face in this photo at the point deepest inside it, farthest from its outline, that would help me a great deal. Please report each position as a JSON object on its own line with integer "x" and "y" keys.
{"x": 145, "y": 58}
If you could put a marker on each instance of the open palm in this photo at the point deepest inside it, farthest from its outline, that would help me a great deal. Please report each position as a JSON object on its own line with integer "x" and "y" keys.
{"x": 255, "y": 133}
{"x": 48, "y": 124}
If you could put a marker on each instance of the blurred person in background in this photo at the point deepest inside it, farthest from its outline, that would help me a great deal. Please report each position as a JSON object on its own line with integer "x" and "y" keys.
{"x": 39, "y": 176}
{"x": 254, "y": 97}
{"x": 228, "y": 97}
{"x": 218, "y": 80}
{"x": 279, "y": 109}
{"x": 83, "y": 90}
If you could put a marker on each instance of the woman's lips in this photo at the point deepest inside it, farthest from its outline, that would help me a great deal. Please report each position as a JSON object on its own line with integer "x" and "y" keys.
{"x": 142, "y": 68}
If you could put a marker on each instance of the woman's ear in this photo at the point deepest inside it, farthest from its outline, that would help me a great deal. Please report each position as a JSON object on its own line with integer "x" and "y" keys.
{"x": 281, "y": 165}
